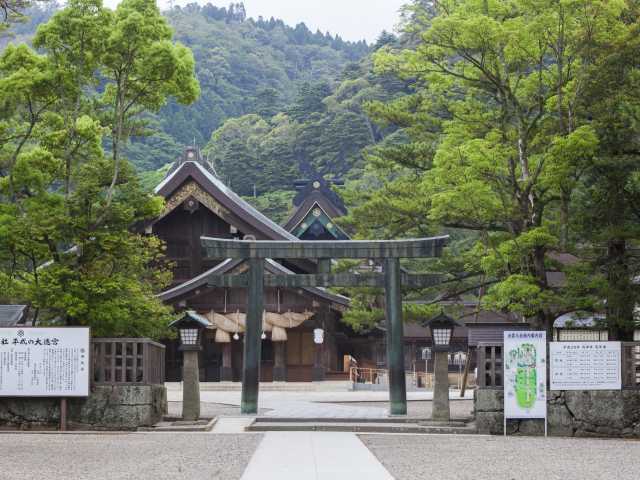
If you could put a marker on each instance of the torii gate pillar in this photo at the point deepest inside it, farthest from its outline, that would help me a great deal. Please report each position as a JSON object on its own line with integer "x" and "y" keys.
{"x": 395, "y": 337}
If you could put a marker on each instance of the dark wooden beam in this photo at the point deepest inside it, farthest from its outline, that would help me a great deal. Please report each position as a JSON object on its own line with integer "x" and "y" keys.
{"x": 374, "y": 280}
{"x": 417, "y": 248}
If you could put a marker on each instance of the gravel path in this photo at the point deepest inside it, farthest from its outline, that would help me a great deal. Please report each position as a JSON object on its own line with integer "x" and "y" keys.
{"x": 137, "y": 456}
{"x": 409, "y": 457}
{"x": 422, "y": 409}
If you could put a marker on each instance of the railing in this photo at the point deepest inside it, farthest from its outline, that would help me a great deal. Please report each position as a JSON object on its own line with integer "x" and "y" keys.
{"x": 490, "y": 368}
{"x": 137, "y": 361}
{"x": 422, "y": 379}
{"x": 631, "y": 365}
{"x": 367, "y": 375}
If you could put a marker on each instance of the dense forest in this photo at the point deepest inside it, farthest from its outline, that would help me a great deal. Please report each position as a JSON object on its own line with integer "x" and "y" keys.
{"x": 277, "y": 102}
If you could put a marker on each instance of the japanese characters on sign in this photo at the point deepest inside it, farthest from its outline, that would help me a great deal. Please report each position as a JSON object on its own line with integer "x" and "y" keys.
{"x": 585, "y": 365}
{"x": 525, "y": 374}
{"x": 44, "y": 362}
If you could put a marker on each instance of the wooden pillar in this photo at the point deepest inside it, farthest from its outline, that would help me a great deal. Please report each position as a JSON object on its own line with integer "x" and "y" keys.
{"x": 280, "y": 361}
{"x": 226, "y": 373}
{"x": 395, "y": 337}
{"x": 252, "y": 338}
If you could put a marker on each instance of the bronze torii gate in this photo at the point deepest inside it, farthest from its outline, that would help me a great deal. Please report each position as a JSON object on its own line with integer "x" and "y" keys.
{"x": 390, "y": 251}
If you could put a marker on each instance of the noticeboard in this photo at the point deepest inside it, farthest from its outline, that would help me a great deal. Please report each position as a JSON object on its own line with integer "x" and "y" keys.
{"x": 525, "y": 374}
{"x": 44, "y": 362}
{"x": 585, "y": 365}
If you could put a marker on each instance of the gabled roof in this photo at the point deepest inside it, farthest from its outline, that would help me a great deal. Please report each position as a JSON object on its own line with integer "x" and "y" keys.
{"x": 222, "y": 194}
{"x": 11, "y": 315}
{"x": 305, "y": 210}
{"x": 312, "y": 194}
{"x": 192, "y": 315}
{"x": 228, "y": 265}
{"x": 317, "y": 221}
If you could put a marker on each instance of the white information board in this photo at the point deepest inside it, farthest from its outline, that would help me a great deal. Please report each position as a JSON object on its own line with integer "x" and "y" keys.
{"x": 525, "y": 374}
{"x": 44, "y": 362}
{"x": 585, "y": 365}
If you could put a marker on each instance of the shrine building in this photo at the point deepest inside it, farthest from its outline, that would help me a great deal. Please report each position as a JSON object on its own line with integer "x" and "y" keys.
{"x": 199, "y": 204}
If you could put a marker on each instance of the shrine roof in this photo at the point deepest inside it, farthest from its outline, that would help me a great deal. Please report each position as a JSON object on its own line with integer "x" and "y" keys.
{"x": 228, "y": 265}
{"x": 302, "y": 210}
{"x": 224, "y": 195}
{"x": 315, "y": 193}
{"x": 304, "y": 220}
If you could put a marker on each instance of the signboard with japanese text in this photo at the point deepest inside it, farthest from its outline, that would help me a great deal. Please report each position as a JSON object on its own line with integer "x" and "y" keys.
{"x": 44, "y": 362}
{"x": 525, "y": 374}
{"x": 585, "y": 365}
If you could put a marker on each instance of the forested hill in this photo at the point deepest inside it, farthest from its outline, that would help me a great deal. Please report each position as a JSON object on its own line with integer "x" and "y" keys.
{"x": 244, "y": 66}
{"x": 277, "y": 102}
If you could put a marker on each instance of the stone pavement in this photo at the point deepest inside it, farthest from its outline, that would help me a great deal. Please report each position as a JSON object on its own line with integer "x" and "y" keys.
{"x": 313, "y": 456}
{"x": 314, "y": 404}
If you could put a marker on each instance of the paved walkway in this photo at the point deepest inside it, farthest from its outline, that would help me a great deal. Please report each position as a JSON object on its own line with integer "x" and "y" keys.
{"x": 313, "y": 456}
{"x": 314, "y": 404}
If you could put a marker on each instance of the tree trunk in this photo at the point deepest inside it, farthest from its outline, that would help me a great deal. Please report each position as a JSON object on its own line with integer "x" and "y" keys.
{"x": 620, "y": 298}
{"x": 564, "y": 220}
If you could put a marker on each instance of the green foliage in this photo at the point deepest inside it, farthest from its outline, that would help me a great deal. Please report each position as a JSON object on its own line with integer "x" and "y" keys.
{"x": 275, "y": 205}
{"x": 248, "y": 66}
{"x": 322, "y": 132}
{"x": 67, "y": 210}
{"x": 503, "y": 143}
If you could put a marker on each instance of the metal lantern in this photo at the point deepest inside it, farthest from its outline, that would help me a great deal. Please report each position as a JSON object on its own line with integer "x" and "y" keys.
{"x": 190, "y": 327}
{"x": 441, "y": 332}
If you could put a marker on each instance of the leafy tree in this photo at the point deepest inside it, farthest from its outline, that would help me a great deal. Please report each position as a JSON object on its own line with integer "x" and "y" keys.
{"x": 67, "y": 246}
{"x": 11, "y": 11}
{"x": 144, "y": 68}
{"x": 323, "y": 132}
{"x": 493, "y": 145}
{"x": 275, "y": 205}
{"x": 241, "y": 62}
{"x": 608, "y": 198}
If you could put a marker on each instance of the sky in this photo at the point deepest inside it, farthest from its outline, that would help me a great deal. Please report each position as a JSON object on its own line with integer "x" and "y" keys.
{"x": 351, "y": 19}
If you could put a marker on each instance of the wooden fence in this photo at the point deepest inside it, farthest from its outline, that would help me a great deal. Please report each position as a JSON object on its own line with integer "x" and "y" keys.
{"x": 491, "y": 368}
{"x": 137, "y": 361}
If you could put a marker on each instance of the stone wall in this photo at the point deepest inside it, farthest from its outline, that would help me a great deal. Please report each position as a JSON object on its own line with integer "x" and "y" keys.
{"x": 108, "y": 407}
{"x": 592, "y": 413}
